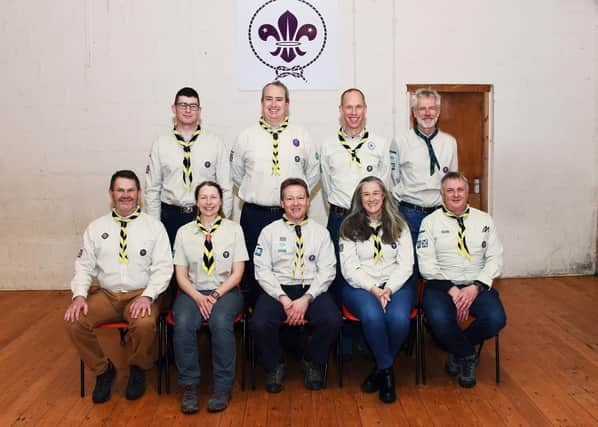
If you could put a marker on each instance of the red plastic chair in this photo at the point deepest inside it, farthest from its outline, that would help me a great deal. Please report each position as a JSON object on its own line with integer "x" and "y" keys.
{"x": 168, "y": 320}
{"x": 347, "y": 315}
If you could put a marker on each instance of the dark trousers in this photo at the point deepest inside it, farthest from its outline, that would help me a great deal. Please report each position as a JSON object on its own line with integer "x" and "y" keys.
{"x": 253, "y": 219}
{"x": 268, "y": 317}
{"x": 173, "y": 218}
{"x": 441, "y": 314}
{"x": 334, "y": 224}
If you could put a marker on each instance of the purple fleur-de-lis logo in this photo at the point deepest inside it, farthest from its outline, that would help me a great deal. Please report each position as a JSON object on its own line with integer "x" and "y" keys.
{"x": 287, "y": 36}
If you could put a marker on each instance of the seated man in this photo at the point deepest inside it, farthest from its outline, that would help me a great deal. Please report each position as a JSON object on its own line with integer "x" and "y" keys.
{"x": 459, "y": 255}
{"x": 294, "y": 266}
{"x": 129, "y": 254}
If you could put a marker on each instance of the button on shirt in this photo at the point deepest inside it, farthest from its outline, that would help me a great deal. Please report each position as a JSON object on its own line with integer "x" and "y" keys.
{"x": 229, "y": 247}
{"x": 164, "y": 173}
{"x": 361, "y": 271}
{"x": 275, "y": 253}
{"x": 340, "y": 177}
{"x": 437, "y": 249}
{"x": 410, "y": 162}
{"x": 148, "y": 252}
{"x": 252, "y": 163}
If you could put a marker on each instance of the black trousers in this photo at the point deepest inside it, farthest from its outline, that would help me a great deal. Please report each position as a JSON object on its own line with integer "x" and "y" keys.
{"x": 322, "y": 314}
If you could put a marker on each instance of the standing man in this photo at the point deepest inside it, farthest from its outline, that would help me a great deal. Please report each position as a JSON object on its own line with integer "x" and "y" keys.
{"x": 348, "y": 157}
{"x": 263, "y": 156}
{"x": 294, "y": 265}
{"x": 180, "y": 161}
{"x": 129, "y": 254}
{"x": 459, "y": 255}
{"x": 420, "y": 159}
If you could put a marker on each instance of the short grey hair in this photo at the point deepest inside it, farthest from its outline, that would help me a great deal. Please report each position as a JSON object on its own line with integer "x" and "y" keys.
{"x": 427, "y": 92}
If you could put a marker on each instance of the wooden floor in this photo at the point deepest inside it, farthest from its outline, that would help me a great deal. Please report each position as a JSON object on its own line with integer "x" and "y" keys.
{"x": 549, "y": 353}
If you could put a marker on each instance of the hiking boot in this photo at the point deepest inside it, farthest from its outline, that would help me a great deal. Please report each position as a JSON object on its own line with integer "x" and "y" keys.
{"x": 372, "y": 382}
{"x": 218, "y": 401}
{"x": 136, "y": 384}
{"x": 274, "y": 379}
{"x": 312, "y": 375}
{"x": 452, "y": 365}
{"x": 387, "y": 392}
{"x": 189, "y": 403}
{"x": 467, "y": 374}
{"x": 101, "y": 391}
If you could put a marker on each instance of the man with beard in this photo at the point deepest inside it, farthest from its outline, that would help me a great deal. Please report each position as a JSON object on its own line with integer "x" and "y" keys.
{"x": 419, "y": 160}
{"x": 128, "y": 252}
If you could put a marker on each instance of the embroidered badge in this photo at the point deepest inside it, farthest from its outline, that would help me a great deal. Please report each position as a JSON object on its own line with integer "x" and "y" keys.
{"x": 105, "y": 236}
{"x": 225, "y": 254}
{"x": 207, "y": 164}
{"x": 80, "y": 253}
{"x": 445, "y": 169}
{"x": 297, "y": 159}
{"x": 340, "y": 247}
{"x": 484, "y": 244}
{"x": 232, "y": 154}
{"x": 317, "y": 156}
{"x": 371, "y": 145}
{"x": 312, "y": 258}
{"x": 147, "y": 169}
{"x": 296, "y": 142}
{"x": 282, "y": 244}
{"x": 393, "y": 245}
{"x": 258, "y": 250}
{"x": 143, "y": 252}
{"x": 370, "y": 168}
{"x": 485, "y": 229}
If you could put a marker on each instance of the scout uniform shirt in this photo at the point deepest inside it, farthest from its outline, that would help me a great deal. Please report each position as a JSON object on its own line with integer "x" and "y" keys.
{"x": 437, "y": 248}
{"x": 341, "y": 174}
{"x": 164, "y": 172}
{"x": 410, "y": 162}
{"x": 229, "y": 247}
{"x": 149, "y": 256}
{"x": 275, "y": 253}
{"x": 360, "y": 270}
{"x": 251, "y": 163}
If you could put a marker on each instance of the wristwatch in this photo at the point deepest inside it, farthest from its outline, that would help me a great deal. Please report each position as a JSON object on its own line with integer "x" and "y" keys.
{"x": 481, "y": 286}
{"x": 215, "y": 294}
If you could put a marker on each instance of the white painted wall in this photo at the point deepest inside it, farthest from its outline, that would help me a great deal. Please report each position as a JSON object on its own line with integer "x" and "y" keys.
{"x": 87, "y": 84}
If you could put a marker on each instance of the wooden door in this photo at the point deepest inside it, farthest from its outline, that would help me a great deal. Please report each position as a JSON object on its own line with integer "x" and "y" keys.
{"x": 464, "y": 113}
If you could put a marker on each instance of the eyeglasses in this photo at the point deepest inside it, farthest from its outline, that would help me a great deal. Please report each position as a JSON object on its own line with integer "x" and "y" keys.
{"x": 184, "y": 106}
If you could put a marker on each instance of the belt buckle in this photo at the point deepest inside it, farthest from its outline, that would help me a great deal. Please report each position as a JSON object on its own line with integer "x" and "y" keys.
{"x": 187, "y": 209}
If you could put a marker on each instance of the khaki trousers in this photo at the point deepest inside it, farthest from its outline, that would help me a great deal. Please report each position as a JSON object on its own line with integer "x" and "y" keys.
{"x": 105, "y": 307}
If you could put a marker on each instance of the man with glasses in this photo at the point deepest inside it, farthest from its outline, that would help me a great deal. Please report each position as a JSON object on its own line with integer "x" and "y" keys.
{"x": 180, "y": 161}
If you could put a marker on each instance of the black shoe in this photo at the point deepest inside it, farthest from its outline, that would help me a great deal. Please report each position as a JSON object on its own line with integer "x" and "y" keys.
{"x": 136, "y": 384}
{"x": 372, "y": 382}
{"x": 312, "y": 375}
{"x": 274, "y": 379}
{"x": 467, "y": 375}
{"x": 452, "y": 365}
{"x": 388, "y": 393}
{"x": 101, "y": 392}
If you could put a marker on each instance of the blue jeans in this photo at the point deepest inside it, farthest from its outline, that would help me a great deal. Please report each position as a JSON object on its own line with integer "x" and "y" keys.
{"x": 441, "y": 314}
{"x": 385, "y": 332}
{"x": 188, "y": 320}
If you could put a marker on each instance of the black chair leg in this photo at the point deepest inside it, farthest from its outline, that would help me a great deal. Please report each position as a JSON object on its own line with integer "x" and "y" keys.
{"x": 167, "y": 359}
{"x": 243, "y": 350}
{"x": 160, "y": 355}
{"x": 252, "y": 351}
{"x": 417, "y": 349}
{"x": 82, "y": 378}
{"x": 339, "y": 358}
{"x": 497, "y": 356}
{"x": 422, "y": 348}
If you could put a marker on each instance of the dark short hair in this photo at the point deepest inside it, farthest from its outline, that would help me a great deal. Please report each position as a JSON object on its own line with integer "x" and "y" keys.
{"x": 125, "y": 173}
{"x": 454, "y": 175}
{"x": 353, "y": 89}
{"x": 293, "y": 181}
{"x": 279, "y": 84}
{"x": 217, "y": 187}
{"x": 188, "y": 92}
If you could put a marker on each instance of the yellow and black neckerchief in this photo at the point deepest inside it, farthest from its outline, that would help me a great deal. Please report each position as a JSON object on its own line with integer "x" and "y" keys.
{"x": 376, "y": 229}
{"x": 353, "y": 152}
{"x": 187, "y": 174}
{"x": 428, "y": 140}
{"x": 299, "y": 261}
{"x": 275, "y": 133}
{"x": 208, "y": 263}
{"x": 122, "y": 246}
{"x": 461, "y": 243}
